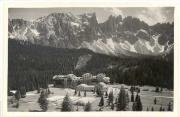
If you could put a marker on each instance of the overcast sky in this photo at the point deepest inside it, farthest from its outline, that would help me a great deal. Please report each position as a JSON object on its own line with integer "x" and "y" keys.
{"x": 150, "y": 15}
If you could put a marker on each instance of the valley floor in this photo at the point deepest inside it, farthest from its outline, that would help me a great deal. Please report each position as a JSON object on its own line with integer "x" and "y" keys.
{"x": 147, "y": 94}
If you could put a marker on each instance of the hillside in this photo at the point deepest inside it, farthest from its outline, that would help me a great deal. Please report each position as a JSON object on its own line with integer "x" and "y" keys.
{"x": 30, "y": 65}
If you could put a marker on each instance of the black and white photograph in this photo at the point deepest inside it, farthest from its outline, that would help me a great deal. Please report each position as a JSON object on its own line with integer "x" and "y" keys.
{"x": 90, "y": 59}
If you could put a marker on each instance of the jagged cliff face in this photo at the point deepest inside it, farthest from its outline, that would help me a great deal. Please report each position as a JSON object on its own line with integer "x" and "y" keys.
{"x": 116, "y": 36}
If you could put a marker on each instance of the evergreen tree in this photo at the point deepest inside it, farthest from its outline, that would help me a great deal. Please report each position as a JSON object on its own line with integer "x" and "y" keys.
{"x": 147, "y": 109}
{"x": 67, "y": 104}
{"x": 85, "y": 93}
{"x": 17, "y": 95}
{"x": 132, "y": 90}
{"x": 87, "y": 107}
{"x": 127, "y": 97}
{"x": 134, "y": 106}
{"x": 17, "y": 104}
{"x": 169, "y": 107}
{"x": 121, "y": 104}
{"x": 157, "y": 89}
{"x": 48, "y": 91}
{"x": 152, "y": 109}
{"x": 110, "y": 98}
{"x": 79, "y": 94}
{"x": 106, "y": 95}
{"x": 138, "y": 90}
{"x": 161, "y": 109}
{"x": 43, "y": 102}
{"x": 132, "y": 97}
{"x": 99, "y": 92}
{"x": 139, "y": 104}
{"x": 101, "y": 103}
{"x": 75, "y": 92}
{"x": 155, "y": 100}
{"x": 161, "y": 89}
{"x": 23, "y": 92}
{"x": 38, "y": 89}
{"x": 116, "y": 101}
{"x": 137, "y": 96}
{"x": 112, "y": 106}
{"x": 77, "y": 109}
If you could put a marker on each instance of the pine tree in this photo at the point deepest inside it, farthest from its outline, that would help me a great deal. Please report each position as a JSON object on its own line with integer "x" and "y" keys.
{"x": 155, "y": 101}
{"x": 132, "y": 97}
{"x": 161, "y": 89}
{"x": 152, "y": 109}
{"x": 161, "y": 109}
{"x": 17, "y": 104}
{"x": 75, "y": 92}
{"x": 23, "y": 92}
{"x": 110, "y": 98}
{"x": 38, "y": 88}
{"x": 116, "y": 100}
{"x": 147, "y": 109}
{"x": 43, "y": 102}
{"x": 157, "y": 89}
{"x": 134, "y": 106}
{"x": 48, "y": 91}
{"x": 169, "y": 107}
{"x": 137, "y": 96}
{"x": 17, "y": 95}
{"x": 87, "y": 107}
{"x": 67, "y": 104}
{"x": 77, "y": 109}
{"x": 112, "y": 106}
{"x": 99, "y": 92}
{"x": 139, "y": 104}
{"x": 101, "y": 103}
{"x": 106, "y": 95}
{"x": 121, "y": 104}
{"x": 79, "y": 94}
{"x": 85, "y": 93}
{"x": 132, "y": 90}
{"x": 139, "y": 90}
{"x": 127, "y": 97}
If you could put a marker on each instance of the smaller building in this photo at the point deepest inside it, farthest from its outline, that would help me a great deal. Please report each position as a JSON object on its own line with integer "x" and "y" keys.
{"x": 87, "y": 78}
{"x": 85, "y": 87}
{"x": 66, "y": 81}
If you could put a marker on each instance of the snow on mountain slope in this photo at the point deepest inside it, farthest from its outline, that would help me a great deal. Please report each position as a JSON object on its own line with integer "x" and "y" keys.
{"x": 113, "y": 48}
{"x": 82, "y": 61}
{"x": 65, "y": 30}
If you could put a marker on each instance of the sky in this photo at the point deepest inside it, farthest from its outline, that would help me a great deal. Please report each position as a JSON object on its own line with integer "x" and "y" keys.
{"x": 150, "y": 15}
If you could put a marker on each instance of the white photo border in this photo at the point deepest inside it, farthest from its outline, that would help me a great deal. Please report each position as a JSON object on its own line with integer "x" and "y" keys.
{"x": 93, "y": 3}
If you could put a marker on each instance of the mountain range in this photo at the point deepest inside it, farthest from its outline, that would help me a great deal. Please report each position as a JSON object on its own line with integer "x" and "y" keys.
{"x": 116, "y": 36}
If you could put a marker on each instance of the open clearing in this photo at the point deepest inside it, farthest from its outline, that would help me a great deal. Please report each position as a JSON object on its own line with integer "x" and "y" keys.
{"x": 29, "y": 103}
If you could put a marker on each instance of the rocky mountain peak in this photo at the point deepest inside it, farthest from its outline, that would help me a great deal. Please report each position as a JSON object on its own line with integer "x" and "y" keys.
{"x": 116, "y": 36}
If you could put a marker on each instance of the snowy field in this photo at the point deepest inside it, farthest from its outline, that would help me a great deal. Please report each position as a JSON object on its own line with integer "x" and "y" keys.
{"x": 147, "y": 97}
